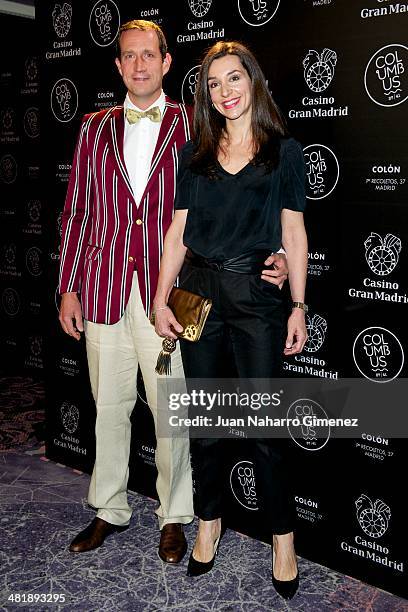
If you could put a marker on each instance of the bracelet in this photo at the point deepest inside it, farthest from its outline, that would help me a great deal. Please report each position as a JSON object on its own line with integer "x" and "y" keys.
{"x": 153, "y": 313}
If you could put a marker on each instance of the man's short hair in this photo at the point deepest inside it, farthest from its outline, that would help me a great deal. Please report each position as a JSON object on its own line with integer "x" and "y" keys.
{"x": 141, "y": 24}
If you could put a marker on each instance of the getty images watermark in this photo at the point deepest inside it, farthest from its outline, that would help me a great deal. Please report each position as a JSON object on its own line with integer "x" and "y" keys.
{"x": 280, "y": 408}
{"x": 220, "y": 401}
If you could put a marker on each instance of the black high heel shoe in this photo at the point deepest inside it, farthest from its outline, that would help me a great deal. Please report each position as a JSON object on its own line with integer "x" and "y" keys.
{"x": 284, "y": 588}
{"x": 198, "y": 568}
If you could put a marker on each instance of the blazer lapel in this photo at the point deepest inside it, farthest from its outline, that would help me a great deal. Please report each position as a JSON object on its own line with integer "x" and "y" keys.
{"x": 116, "y": 133}
{"x": 168, "y": 125}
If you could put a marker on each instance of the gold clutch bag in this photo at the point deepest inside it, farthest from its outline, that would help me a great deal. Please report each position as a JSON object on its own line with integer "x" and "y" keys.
{"x": 191, "y": 311}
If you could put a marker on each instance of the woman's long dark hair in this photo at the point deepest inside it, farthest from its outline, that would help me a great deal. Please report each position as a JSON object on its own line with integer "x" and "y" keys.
{"x": 267, "y": 123}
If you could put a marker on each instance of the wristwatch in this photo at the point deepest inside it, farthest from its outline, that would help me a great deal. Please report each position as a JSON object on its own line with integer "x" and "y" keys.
{"x": 301, "y": 305}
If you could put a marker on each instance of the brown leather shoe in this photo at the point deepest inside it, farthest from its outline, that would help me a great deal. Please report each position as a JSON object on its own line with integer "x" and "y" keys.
{"x": 94, "y": 535}
{"x": 173, "y": 544}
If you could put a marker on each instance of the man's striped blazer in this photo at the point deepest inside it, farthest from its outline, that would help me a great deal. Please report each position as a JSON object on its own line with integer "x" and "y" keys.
{"x": 105, "y": 236}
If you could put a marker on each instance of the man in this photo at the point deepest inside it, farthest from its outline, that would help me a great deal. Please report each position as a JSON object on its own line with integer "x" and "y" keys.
{"x": 118, "y": 208}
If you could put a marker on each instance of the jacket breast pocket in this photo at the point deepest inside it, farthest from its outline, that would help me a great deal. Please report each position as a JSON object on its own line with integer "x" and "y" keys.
{"x": 92, "y": 252}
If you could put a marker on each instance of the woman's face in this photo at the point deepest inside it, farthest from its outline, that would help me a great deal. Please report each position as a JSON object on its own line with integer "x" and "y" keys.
{"x": 230, "y": 87}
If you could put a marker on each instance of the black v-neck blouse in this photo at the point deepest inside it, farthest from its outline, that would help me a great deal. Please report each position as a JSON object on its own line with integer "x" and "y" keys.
{"x": 239, "y": 213}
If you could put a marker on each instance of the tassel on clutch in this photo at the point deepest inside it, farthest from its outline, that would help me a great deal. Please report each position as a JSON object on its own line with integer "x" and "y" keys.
{"x": 191, "y": 311}
{"x": 163, "y": 365}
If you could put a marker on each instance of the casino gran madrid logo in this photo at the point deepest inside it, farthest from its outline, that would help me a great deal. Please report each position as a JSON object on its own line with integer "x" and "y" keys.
{"x": 382, "y": 253}
{"x": 199, "y": 8}
{"x": 318, "y": 69}
{"x": 316, "y": 330}
{"x": 31, "y": 76}
{"x": 257, "y": 12}
{"x": 31, "y": 69}
{"x": 8, "y": 126}
{"x": 8, "y": 169}
{"x": 8, "y": 260}
{"x": 64, "y": 100}
{"x": 69, "y": 417}
{"x": 382, "y": 256}
{"x": 32, "y": 122}
{"x": 8, "y": 116}
{"x": 386, "y": 75}
{"x": 373, "y": 517}
{"x": 322, "y": 171}
{"x": 189, "y": 85}
{"x": 34, "y": 210}
{"x": 62, "y": 19}
{"x": 243, "y": 486}
{"x": 33, "y": 261}
{"x": 10, "y": 253}
{"x": 11, "y": 302}
{"x": 200, "y": 30}
{"x": 378, "y": 354}
{"x": 36, "y": 344}
{"x": 304, "y": 430}
{"x": 104, "y": 22}
{"x": 62, "y": 46}
{"x": 34, "y": 358}
{"x": 318, "y": 72}
{"x": 32, "y": 227}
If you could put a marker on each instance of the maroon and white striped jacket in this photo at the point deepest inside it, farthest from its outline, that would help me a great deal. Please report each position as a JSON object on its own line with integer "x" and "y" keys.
{"x": 104, "y": 235}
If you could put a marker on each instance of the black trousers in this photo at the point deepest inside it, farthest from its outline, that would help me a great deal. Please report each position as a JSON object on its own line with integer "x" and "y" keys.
{"x": 247, "y": 323}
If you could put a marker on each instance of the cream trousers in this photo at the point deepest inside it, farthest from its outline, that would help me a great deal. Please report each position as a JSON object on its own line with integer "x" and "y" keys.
{"x": 114, "y": 354}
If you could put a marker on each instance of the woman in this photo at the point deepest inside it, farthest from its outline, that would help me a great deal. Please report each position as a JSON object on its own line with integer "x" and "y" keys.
{"x": 240, "y": 196}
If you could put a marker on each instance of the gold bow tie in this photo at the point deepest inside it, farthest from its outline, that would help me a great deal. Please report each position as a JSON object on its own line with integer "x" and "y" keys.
{"x": 153, "y": 114}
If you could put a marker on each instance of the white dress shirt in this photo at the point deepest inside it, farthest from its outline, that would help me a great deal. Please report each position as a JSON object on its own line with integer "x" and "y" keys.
{"x": 139, "y": 144}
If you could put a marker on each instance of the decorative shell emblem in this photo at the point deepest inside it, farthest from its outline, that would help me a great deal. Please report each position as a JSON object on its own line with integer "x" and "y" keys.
{"x": 319, "y": 69}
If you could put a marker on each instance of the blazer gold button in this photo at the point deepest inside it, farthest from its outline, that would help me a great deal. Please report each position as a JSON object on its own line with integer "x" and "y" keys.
{"x": 139, "y": 222}
{"x": 130, "y": 259}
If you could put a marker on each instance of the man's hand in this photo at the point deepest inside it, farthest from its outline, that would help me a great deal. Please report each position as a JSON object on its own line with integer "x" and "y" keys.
{"x": 279, "y": 273}
{"x": 297, "y": 334}
{"x": 70, "y": 315}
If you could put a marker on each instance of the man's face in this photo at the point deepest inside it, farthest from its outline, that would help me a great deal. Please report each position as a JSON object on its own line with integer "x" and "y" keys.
{"x": 141, "y": 66}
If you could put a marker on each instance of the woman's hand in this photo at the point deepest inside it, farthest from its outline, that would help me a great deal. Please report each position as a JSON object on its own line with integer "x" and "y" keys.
{"x": 165, "y": 323}
{"x": 170, "y": 265}
{"x": 297, "y": 334}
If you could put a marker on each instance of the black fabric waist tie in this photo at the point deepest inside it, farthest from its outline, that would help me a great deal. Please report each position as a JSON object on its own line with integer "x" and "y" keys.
{"x": 247, "y": 263}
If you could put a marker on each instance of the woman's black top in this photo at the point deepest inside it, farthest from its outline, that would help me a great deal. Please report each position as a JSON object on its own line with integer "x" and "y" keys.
{"x": 239, "y": 213}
